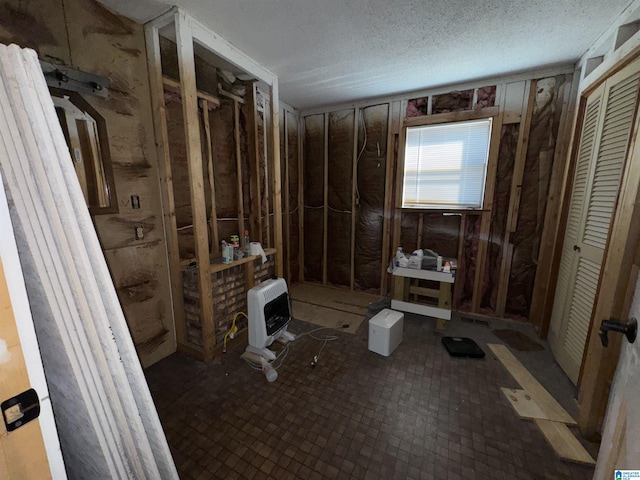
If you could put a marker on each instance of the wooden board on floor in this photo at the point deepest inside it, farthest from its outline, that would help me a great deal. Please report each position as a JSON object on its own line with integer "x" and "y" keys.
{"x": 543, "y": 399}
{"x": 326, "y": 317}
{"x": 348, "y": 301}
{"x": 525, "y": 406}
{"x": 564, "y": 442}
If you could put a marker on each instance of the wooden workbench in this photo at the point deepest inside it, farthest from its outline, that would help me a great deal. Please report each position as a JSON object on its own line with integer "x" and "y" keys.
{"x": 402, "y": 289}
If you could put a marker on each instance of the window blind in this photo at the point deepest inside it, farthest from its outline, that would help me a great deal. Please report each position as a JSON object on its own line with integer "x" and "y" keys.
{"x": 445, "y": 165}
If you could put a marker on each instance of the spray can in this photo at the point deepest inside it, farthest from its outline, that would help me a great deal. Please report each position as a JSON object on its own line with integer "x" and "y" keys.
{"x": 268, "y": 370}
{"x": 227, "y": 252}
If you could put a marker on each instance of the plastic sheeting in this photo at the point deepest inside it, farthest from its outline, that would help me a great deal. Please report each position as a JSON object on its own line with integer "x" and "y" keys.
{"x": 339, "y": 185}
{"x": 372, "y": 142}
{"x": 313, "y": 197}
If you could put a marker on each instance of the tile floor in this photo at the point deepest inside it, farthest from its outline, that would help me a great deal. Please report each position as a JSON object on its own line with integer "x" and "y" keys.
{"x": 418, "y": 414}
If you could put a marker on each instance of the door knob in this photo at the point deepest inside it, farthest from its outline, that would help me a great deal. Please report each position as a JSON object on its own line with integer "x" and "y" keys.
{"x": 630, "y": 330}
{"x": 576, "y": 248}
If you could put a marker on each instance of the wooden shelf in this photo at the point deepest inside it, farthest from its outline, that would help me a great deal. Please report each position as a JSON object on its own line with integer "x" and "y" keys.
{"x": 217, "y": 265}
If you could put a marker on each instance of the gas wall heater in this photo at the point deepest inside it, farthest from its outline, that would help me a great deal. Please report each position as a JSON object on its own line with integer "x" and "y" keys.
{"x": 269, "y": 315}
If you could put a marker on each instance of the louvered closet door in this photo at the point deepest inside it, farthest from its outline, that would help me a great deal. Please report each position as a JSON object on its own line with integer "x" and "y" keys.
{"x": 607, "y": 126}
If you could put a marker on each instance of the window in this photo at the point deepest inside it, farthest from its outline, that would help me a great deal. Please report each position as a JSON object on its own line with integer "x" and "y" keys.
{"x": 445, "y": 165}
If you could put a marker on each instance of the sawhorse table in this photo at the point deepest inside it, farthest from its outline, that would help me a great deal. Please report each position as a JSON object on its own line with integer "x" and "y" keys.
{"x": 402, "y": 288}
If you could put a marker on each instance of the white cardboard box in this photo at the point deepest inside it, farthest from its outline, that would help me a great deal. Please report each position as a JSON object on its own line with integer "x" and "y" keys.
{"x": 385, "y": 331}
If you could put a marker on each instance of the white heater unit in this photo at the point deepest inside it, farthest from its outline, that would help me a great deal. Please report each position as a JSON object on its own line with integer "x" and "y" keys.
{"x": 269, "y": 315}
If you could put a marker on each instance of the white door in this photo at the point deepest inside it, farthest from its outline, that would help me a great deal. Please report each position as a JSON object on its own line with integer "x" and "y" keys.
{"x": 608, "y": 121}
{"x": 31, "y": 450}
{"x": 620, "y": 445}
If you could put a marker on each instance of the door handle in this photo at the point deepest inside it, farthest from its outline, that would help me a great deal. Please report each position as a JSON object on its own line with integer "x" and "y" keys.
{"x": 630, "y": 330}
{"x": 20, "y": 409}
{"x": 576, "y": 248}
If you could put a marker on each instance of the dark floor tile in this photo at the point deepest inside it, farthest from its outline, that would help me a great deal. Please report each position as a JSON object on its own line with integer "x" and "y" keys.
{"x": 418, "y": 413}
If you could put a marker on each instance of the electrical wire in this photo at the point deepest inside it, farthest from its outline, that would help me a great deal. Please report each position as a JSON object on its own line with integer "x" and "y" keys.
{"x": 277, "y": 363}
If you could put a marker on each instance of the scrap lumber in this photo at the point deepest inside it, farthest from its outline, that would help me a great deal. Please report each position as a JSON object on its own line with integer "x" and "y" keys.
{"x": 107, "y": 422}
{"x": 564, "y": 443}
{"x": 539, "y": 394}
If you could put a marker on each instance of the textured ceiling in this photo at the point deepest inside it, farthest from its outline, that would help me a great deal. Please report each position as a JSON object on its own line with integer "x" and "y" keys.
{"x": 335, "y": 51}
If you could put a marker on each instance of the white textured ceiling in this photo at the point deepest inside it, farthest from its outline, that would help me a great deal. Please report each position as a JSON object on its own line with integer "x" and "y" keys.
{"x": 335, "y": 51}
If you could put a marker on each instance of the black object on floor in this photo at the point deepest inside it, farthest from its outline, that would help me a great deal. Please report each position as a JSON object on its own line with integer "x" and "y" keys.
{"x": 462, "y": 347}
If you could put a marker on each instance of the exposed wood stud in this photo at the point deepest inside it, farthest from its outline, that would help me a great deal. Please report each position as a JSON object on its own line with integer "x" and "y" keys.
{"x": 287, "y": 206}
{"x": 397, "y": 219}
{"x": 254, "y": 150}
{"x": 174, "y": 86}
{"x": 458, "y": 286}
{"x": 168, "y": 200}
{"x": 215, "y": 245}
{"x": 451, "y": 117}
{"x": 230, "y": 95}
{"x": 485, "y": 224}
{"x": 184, "y": 42}
{"x": 514, "y": 197}
{"x": 236, "y": 136}
{"x": 393, "y": 126}
{"x": 266, "y": 223}
{"x": 277, "y": 189}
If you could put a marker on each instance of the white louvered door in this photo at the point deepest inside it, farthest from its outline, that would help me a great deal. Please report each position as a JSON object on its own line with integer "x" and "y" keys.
{"x": 608, "y": 122}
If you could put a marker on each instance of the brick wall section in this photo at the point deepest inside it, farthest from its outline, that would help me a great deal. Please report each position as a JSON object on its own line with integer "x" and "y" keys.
{"x": 229, "y": 297}
{"x": 192, "y": 306}
{"x": 266, "y": 271}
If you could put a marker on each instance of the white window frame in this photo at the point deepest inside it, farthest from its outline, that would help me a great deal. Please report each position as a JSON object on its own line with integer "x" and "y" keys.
{"x": 444, "y": 120}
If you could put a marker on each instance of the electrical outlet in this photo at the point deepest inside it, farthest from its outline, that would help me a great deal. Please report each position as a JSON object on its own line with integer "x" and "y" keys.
{"x": 139, "y": 233}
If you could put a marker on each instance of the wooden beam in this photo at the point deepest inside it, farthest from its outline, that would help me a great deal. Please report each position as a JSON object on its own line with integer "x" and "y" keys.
{"x": 230, "y": 95}
{"x": 492, "y": 167}
{"x": 213, "y": 218}
{"x": 287, "y": 206}
{"x": 171, "y": 84}
{"x": 549, "y": 252}
{"x": 326, "y": 200}
{"x": 254, "y": 155}
{"x": 266, "y": 227}
{"x": 277, "y": 189}
{"x": 354, "y": 199}
{"x": 194, "y": 158}
{"x": 392, "y": 132}
{"x": 528, "y": 382}
{"x": 166, "y": 179}
{"x": 397, "y": 202}
{"x": 236, "y": 136}
{"x": 458, "y": 287}
{"x": 451, "y": 117}
{"x": 514, "y": 197}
